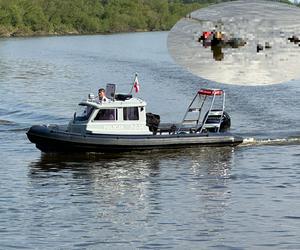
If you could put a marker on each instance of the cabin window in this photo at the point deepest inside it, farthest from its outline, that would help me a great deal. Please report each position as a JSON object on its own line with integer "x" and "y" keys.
{"x": 130, "y": 113}
{"x": 85, "y": 113}
{"x": 106, "y": 115}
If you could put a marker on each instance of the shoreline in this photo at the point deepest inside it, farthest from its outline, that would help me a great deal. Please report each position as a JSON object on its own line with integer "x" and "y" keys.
{"x": 73, "y": 33}
{"x": 36, "y": 26}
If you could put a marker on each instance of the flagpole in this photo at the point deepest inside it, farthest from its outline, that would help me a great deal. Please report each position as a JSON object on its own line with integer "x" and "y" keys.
{"x": 136, "y": 74}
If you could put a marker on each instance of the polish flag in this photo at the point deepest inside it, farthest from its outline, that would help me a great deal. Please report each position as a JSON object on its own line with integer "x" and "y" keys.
{"x": 136, "y": 84}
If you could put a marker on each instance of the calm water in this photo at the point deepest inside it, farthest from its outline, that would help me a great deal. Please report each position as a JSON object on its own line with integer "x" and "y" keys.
{"x": 200, "y": 198}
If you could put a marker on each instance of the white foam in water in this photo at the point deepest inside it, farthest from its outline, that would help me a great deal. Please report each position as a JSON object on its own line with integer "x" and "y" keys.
{"x": 248, "y": 141}
{"x": 251, "y": 141}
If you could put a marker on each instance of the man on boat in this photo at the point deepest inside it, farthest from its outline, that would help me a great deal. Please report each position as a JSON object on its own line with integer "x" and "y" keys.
{"x": 101, "y": 96}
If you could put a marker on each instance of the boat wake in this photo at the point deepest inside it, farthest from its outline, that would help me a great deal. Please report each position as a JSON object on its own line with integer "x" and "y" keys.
{"x": 6, "y": 122}
{"x": 251, "y": 141}
{"x": 11, "y": 126}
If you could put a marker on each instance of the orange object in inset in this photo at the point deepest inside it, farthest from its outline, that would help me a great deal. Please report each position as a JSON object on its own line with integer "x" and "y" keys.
{"x": 206, "y": 34}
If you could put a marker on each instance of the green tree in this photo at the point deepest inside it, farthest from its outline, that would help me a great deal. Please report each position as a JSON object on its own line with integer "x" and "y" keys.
{"x": 21, "y": 17}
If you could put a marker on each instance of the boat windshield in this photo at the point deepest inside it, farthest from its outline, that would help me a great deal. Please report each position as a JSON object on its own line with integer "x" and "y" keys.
{"x": 83, "y": 113}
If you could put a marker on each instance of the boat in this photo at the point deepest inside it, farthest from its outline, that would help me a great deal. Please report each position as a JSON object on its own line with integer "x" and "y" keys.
{"x": 122, "y": 124}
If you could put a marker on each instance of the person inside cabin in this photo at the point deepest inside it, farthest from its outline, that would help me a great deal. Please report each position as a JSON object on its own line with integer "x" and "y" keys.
{"x": 101, "y": 96}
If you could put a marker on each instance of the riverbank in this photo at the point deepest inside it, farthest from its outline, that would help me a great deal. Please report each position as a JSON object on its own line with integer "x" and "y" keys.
{"x": 76, "y": 17}
{"x": 4, "y": 33}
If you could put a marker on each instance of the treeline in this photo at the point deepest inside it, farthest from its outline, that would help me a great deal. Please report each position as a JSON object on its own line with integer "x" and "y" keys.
{"x": 30, "y": 17}
{"x": 43, "y": 17}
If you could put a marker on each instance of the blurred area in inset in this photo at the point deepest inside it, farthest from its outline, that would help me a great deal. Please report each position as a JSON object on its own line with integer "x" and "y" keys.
{"x": 240, "y": 42}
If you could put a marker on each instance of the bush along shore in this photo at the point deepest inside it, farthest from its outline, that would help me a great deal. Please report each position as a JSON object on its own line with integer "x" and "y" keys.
{"x": 70, "y": 17}
{"x": 63, "y": 17}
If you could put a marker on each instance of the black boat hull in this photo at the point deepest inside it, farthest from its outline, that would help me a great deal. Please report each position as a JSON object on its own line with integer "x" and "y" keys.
{"x": 49, "y": 139}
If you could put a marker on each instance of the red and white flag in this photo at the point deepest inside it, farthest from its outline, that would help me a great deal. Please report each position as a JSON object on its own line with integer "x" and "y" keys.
{"x": 136, "y": 84}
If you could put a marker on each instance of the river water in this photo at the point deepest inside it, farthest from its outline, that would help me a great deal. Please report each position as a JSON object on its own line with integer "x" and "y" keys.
{"x": 247, "y": 197}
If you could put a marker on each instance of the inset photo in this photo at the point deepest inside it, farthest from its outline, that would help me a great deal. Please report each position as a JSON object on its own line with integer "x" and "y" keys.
{"x": 239, "y": 42}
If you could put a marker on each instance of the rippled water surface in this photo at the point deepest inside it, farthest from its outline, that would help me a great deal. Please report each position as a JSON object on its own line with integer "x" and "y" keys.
{"x": 247, "y": 197}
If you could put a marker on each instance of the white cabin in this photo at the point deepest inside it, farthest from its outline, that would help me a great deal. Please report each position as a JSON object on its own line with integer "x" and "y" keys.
{"x": 123, "y": 116}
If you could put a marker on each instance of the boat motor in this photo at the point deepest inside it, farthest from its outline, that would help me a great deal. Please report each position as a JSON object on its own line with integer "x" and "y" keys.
{"x": 212, "y": 118}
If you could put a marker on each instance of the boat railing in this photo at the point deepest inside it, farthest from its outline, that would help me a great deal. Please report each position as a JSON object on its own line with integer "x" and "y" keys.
{"x": 198, "y": 125}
